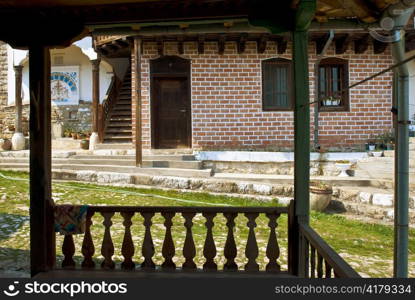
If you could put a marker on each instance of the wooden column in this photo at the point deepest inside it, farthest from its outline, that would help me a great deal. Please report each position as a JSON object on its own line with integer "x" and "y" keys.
{"x": 95, "y": 93}
{"x": 18, "y": 98}
{"x": 42, "y": 236}
{"x": 136, "y": 84}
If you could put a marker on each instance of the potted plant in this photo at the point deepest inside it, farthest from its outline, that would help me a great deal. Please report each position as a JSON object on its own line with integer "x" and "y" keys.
{"x": 320, "y": 195}
{"x": 371, "y": 144}
{"x": 6, "y": 144}
{"x": 74, "y": 135}
{"x": 343, "y": 166}
{"x": 84, "y": 144}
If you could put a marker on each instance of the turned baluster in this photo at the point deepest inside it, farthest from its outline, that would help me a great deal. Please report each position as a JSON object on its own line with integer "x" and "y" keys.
{"x": 319, "y": 266}
{"x": 148, "y": 245}
{"x": 273, "y": 249}
{"x": 68, "y": 250}
{"x": 327, "y": 269}
{"x": 230, "y": 250}
{"x": 168, "y": 249}
{"x": 88, "y": 248}
{"x": 209, "y": 249}
{"x": 189, "y": 249}
{"x": 107, "y": 249}
{"x": 127, "y": 249}
{"x": 251, "y": 250}
{"x": 313, "y": 262}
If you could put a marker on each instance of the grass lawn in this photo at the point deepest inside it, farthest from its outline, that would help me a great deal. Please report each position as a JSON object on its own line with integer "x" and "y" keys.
{"x": 367, "y": 247}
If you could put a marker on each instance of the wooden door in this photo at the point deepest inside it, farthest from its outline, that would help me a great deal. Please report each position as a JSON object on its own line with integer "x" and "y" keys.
{"x": 171, "y": 113}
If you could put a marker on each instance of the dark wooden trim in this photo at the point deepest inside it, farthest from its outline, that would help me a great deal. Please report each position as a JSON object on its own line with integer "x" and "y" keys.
{"x": 379, "y": 47}
{"x": 137, "y": 100}
{"x": 18, "y": 97}
{"x": 262, "y": 44}
{"x": 95, "y": 94}
{"x": 282, "y": 43}
{"x": 160, "y": 46}
{"x": 201, "y": 44}
{"x": 241, "y": 44}
{"x": 282, "y": 62}
{"x": 361, "y": 44}
{"x": 221, "y": 44}
{"x": 42, "y": 235}
{"x": 342, "y": 43}
{"x": 331, "y": 61}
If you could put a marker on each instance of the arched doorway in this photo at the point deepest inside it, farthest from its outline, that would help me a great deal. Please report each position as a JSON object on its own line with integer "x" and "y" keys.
{"x": 170, "y": 103}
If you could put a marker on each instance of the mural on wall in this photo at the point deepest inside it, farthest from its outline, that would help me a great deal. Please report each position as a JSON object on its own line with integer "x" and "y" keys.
{"x": 65, "y": 85}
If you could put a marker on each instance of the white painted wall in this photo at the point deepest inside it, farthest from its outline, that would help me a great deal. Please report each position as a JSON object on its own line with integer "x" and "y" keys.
{"x": 411, "y": 67}
{"x": 72, "y": 56}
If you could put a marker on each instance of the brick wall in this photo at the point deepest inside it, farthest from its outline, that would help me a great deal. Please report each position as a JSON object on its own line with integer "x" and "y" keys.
{"x": 227, "y": 103}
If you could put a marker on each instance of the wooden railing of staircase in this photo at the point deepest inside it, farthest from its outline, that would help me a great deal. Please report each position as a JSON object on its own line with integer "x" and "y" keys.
{"x": 320, "y": 260}
{"x": 106, "y": 106}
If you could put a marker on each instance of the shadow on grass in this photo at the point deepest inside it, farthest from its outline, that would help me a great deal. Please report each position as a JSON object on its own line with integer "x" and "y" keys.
{"x": 10, "y": 224}
{"x": 14, "y": 262}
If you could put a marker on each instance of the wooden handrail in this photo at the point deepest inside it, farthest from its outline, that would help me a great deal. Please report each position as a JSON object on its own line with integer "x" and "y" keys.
{"x": 188, "y": 253}
{"x": 108, "y": 103}
{"x": 314, "y": 243}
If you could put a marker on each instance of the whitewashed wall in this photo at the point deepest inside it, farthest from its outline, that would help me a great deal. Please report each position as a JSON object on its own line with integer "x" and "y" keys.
{"x": 72, "y": 56}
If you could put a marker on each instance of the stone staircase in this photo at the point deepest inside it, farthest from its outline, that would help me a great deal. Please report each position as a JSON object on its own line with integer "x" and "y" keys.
{"x": 153, "y": 164}
{"x": 119, "y": 127}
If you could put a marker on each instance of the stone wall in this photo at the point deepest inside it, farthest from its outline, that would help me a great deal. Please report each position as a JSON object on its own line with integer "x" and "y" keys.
{"x": 3, "y": 85}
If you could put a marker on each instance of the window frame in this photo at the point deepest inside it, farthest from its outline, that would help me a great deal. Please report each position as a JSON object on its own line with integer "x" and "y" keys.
{"x": 345, "y": 99}
{"x": 289, "y": 65}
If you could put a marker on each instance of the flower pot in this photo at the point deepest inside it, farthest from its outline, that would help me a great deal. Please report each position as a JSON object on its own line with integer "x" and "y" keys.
{"x": 6, "y": 145}
{"x": 84, "y": 144}
{"x": 343, "y": 167}
{"x": 372, "y": 147}
{"x": 320, "y": 198}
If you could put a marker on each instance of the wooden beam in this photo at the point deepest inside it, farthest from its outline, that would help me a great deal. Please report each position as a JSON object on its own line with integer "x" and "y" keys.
{"x": 321, "y": 42}
{"x": 282, "y": 43}
{"x": 136, "y": 84}
{"x": 304, "y": 14}
{"x": 342, "y": 43}
{"x": 201, "y": 44}
{"x": 18, "y": 98}
{"x": 362, "y": 10}
{"x": 262, "y": 44}
{"x": 95, "y": 94}
{"x": 379, "y": 47}
{"x": 160, "y": 46}
{"x": 241, "y": 44}
{"x": 42, "y": 235}
{"x": 221, "y": 44}
{"x": 180, "y": 42}
{"x": 361, "y": 44}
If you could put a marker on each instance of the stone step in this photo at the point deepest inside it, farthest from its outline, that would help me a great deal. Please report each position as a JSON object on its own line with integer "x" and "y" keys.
{"x": 117, "y": 139}
{"x": 132, "y": 157}
{"x": 122, "y": 106}
{"x": 119, "y": 125}
{"x": 114, "y": 162}
{"x": 114, "y": 146}
{"x": 120, "y": 119}
{"x": 111, "y": 130}
{"x": 118, "y": 169}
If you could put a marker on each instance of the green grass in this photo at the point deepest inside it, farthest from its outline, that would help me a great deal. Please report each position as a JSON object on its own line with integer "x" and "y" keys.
{"x": 367, "y": 247}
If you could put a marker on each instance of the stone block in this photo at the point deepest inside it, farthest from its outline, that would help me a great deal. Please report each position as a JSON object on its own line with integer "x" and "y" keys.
{"x": 90, "y": 176}
{"x": 262, "y": 189}
{"x": 364, "y": 197}
{"x": 382, "y": 199}
{"x": 112, "y": 177}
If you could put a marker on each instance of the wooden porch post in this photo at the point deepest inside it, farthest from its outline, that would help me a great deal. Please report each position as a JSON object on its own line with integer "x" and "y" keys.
{"x": 305, "y": 14}
{"x": 18, "y": 98}
{"x": 42, "y": 236}
{"x": 136, "y": 84}
{"x": 95, "y": 93}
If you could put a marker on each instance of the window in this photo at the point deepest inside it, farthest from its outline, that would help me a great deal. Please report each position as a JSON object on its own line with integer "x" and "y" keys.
{"x": 276, "y": 84}
{"x": 333, "y": 79}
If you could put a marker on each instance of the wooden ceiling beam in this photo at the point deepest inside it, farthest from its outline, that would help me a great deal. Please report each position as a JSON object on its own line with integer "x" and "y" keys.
{"x": 262, "y": 44}
{"x": 282, "y": 43}
{"x": 201, "y": 44}
{"x": 221, "y": 44}
{"x": 180, "y": 47}
{"x": 342, "y": 43}
{"x": 160, "y": 46}
{"x": 379, "y": 47}
{"x": 241, "y": 44}
{"x": 321, "y": 42}
{"x": 361, "y": 44}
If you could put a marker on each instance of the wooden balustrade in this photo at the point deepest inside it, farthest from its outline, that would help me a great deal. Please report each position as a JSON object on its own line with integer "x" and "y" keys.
{"x": 168, "y": 252}
{"x": 320, "y": 260}
{"x": 106, "y": 106}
